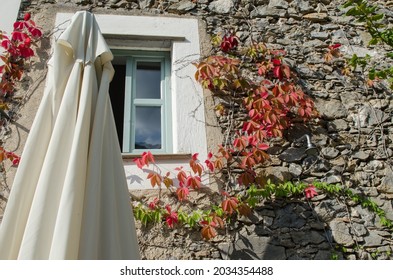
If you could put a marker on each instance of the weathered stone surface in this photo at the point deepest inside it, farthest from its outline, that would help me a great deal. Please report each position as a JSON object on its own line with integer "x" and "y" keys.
{"x": 293, "y": 154}
{"x": 359, "y": 51}
{"x": 277, "y": 174}
{"x": 386, "y": 185}
{"x": 367, "y": 216}
{"x": 83, "y": 2}
{"x": 327, "y": 210}
{"x": 317, "y": 17}
{"x": 122, "y": 4}
{"x": 295, "y": 169}
{"x": 340, "y": 161}
{"x": 369, "y": 116}
{"x": 324, "y": 255}
{"x": 358, "y": 229}
{"x": 143, "y": 4}
{"x": 280, "y": 4}
{"x": 252, "y": 247}
{"x": 319, "y": 35}
{"x": 315, "y": 44}
{"x": 286, "y": 217}
{"x": 337, "y": 125}
{"x": 386, "y": 206}
{"x": 380, "y": 104}
{"x": 265, "y": 11}
{"x": 372, "y": 240}
{"x": 332, "y": 179}
{"x": 275, "y": 150}
{"x": 182, "y": 6}
{"x": 374, "y": 166}
{"x": 331, "y": 109}
{"x": 303, "y": 6}
{"x": 330, "y": 152}
{"x": 362, "y": 155}
{"x": 312, "y": 237}
{"x": 221, "y": 6}
{"x": 340, "y": 233}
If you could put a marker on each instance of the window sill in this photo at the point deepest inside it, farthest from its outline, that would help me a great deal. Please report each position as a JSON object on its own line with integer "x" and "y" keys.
{"x": 159, "y": 156}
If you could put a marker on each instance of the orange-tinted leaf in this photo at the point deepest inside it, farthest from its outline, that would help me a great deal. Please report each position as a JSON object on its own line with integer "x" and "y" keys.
{"x": 168, "y": 182}
{"x": 229, "y": 205}
{"x": 259, "y": 155}
{"x": 182, "y": 193}
{"x": 155, "y": 179}
{"x": 246, "y": 178}
{"x": 240, "y": 143}
{"x": 218, "y": 222}
{"x": 193, "y": 182}
{"x": 2, "y": 155}
{"x": 181, "y": 175}
{"x": 220, "y": 110}
{"x": 196, "y": 167}
{"x": 285, "y": 69}
{"x": 244, "y": 209}
{"x": 208, "y": 232}
{"x": 249, "y": 161}
{"x": 218, "y": 164}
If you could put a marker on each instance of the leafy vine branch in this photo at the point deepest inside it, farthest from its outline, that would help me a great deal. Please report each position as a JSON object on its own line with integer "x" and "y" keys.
{"x": 15, "y": 60}
{"x": 256, "y": 83}
{"x": 374, "y": 22}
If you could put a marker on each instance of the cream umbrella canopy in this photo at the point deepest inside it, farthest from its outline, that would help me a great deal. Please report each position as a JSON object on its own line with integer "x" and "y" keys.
{"x": 69, "y": 199}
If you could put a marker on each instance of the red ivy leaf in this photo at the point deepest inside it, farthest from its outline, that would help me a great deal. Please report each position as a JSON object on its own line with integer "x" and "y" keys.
{"x": 240, "y": 143}
{"x": 277, "y": 72}
{"x": 310, "y": 191}
{"x": 276, "y": 62}
{"x": 193, "y": 182}
{"x": 171, "y": 219}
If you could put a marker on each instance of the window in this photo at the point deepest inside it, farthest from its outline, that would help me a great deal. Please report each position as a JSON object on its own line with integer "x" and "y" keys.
{"x": 182, "y": 112}
{"x": 141, "y": 101}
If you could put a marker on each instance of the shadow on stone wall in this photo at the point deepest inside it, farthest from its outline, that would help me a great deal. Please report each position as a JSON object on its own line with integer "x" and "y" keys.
{"x": 280, "y": 231}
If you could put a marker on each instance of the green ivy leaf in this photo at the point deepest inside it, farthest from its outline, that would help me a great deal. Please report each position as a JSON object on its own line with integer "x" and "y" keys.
{"x": 157, "y": 216}
{"x": 347, "y": 4}
{"x": 372, "y": 74}
{"x": 353, "y": 12}
{"x": 377, "y": 17}
{"x": 373, "y": 41}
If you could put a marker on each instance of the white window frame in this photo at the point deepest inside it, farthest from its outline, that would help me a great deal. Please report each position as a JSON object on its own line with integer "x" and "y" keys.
{"x": 181, "y": 37}
{"x": 131, "y": 102}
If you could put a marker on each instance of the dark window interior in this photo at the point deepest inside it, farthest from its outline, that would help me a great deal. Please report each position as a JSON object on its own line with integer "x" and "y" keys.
{"x": 116, "y": 92}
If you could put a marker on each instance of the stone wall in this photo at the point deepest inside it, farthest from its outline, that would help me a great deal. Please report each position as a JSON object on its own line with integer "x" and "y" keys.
{"x": 353, "y": 135}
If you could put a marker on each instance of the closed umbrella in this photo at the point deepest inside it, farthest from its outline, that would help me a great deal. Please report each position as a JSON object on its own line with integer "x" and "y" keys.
{"x": 70, "y": 199}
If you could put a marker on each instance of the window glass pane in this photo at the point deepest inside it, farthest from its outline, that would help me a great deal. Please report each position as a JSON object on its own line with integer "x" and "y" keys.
{"x": 148, "y": 80}
{"x": 148, "y": 127}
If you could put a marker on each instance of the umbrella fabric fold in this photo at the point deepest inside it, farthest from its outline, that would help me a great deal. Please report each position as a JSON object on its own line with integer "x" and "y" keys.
{"x": 70, "y": 199}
